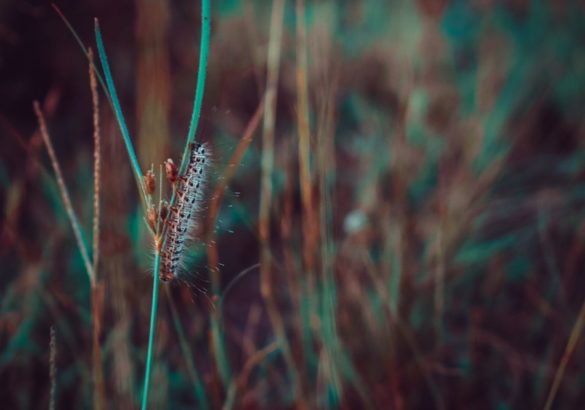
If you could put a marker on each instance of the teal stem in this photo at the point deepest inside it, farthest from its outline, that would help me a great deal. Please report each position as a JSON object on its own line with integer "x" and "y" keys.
{"x": 188, "y": 355}
{"x": 85, "y": 51}
{"x": 151, "y": 333}
{"x": 117, "y": 107}
{"x": 201, "y": 74}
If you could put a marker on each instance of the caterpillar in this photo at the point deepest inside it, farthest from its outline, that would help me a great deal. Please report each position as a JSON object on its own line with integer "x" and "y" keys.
{"x": 182, "y": 217}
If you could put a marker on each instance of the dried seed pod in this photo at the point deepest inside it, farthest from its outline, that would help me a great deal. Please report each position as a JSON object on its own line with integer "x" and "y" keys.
{"x": 164, "y": 210}
{"x": 151, "y": 218}
{"x": 171, "y": 170}
{"x": 149, "y": 182}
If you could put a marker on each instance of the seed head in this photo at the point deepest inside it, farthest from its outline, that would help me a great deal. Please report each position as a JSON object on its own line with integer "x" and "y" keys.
{"x": 151, "y": 217}
{"x": 149, "y": 182}
{"x": 171, "y": 170}
{"x": 164, "y": 210}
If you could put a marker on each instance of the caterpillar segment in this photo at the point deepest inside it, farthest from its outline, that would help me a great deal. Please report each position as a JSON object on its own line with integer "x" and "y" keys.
{"x": 182, "y": 217}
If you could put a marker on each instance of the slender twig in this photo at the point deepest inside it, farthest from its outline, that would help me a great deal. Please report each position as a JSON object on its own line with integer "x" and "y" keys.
{"x": 573, "y": 339}
{"x": 64, "y": 192}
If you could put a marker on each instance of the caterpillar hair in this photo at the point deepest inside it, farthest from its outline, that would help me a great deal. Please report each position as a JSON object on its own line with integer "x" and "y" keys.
{"x": 182, "y": 218}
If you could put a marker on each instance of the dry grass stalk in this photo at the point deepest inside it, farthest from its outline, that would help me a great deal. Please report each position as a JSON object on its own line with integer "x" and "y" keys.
{"x": 219, "y": 191}
{"x": 97, "y": 163}
{"x": 97, "y": 297}
{"x": 63, "y": 189}
{"x": 52, "y": 367}
{"x": 153, "y": 78}
{"x": 325, "y": 167}
{"x": 569, "y": 349}
{"x": 99, "y": 392}
{"x": 239, "y": 384}
{"x": 310, "y": 227}
{"x": 267, "y": 164}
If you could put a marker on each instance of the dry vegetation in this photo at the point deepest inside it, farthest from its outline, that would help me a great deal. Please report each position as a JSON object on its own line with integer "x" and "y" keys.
{"x": 394, "y": 217}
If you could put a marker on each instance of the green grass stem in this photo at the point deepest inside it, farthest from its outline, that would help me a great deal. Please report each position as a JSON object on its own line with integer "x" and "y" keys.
{"x": 203, "y": 56}
{"x": 201, "y": 74}
{"x": 84, "y": 49}
{"x": 151, "y": 332}
{"x": 118, "y": 109}
{"x": 187, "y": 354}
{"x": 113, "y": 96}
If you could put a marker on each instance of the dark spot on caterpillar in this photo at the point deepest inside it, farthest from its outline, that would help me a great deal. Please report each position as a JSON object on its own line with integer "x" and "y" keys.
{"x": 165, "y": 275}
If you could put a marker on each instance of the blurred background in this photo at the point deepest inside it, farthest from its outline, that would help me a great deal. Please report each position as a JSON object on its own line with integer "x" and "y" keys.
{"x": 426, "y": 229}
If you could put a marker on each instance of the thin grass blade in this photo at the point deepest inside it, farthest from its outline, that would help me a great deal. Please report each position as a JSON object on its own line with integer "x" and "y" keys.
{"x": 118, "y": 108}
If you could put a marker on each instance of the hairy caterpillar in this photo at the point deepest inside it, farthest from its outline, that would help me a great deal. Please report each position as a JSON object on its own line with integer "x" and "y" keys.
{"x": 182, "y": 218}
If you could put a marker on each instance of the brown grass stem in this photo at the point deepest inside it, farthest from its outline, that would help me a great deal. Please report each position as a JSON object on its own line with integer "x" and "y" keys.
{"x": 99, "y": 390}
{"x": 97, "y": 288}
{"x": 153, "y": 78}
{"x": 310, "y": 227}
{"x": 219, "y": 191}
{"x": 52, "y": 367}
{"x": 63, "y": 190}
{"x": 212, "y": 251}
{"x": 239, "y": 384}
{"x": 397, "y": 324}
{"x": 569, "y": 349}
{"x": 267, "y": 165}
{"x": 97, "y": 164}
{"x": 187, "y": 352}
{"x": 325, "y": 167}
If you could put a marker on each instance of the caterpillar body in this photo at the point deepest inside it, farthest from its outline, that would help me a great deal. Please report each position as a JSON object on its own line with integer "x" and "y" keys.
{"x": 182, "y": 217}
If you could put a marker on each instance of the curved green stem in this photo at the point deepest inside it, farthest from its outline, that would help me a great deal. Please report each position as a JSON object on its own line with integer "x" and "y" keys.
{"x": 201, "y": 74}
{"x": 118, "y": 109}
{"x": 151, "y": 332}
